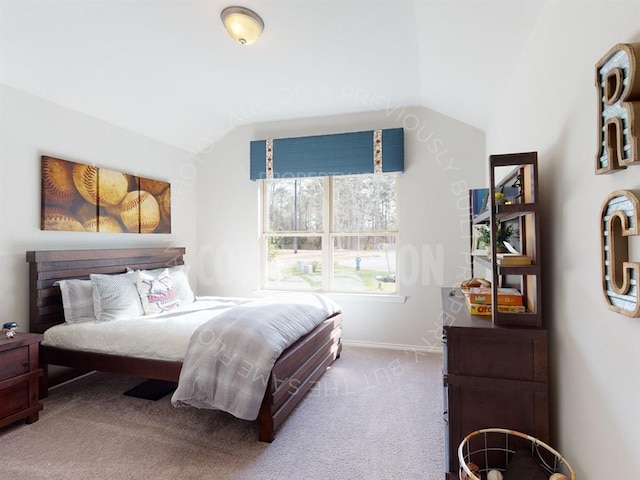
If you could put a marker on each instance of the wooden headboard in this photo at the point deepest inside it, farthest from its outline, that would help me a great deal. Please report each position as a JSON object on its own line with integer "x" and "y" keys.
{"x": 47, "y": 267}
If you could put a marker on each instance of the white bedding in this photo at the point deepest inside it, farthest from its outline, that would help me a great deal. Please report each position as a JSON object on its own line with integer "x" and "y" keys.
{"x": 159, "y": 337}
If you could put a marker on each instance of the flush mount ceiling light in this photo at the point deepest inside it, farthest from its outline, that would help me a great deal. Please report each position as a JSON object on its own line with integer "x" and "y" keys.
{"x": 243, "y": 25}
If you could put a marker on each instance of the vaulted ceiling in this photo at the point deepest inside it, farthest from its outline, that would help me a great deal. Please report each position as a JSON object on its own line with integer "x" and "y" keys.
{"x": 167, "y": 69}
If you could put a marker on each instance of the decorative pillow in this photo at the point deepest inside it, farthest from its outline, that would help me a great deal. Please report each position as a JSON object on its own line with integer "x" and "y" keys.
{"x": 77, "y": 300}
{"x": 523, "y": 466}
{"x": 115, "y": 296}
{"x": 180, "y": 277}
{"x": 157, "y": 293}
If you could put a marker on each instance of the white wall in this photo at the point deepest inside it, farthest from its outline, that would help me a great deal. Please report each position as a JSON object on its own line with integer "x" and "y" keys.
{"x": 551, "y": 106}
{"x": 31, "y": 127}
{"x": 443, "y": 159}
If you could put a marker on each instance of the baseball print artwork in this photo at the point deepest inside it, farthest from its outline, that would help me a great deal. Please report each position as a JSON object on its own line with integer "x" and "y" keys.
{"x": 84, "y": 198}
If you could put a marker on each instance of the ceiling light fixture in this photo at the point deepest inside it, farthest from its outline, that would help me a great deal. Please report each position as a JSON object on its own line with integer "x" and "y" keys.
{"x": 243, "y": 25}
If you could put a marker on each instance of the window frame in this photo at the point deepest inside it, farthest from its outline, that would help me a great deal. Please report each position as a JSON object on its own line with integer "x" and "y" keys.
{"x": 327, "y": 235}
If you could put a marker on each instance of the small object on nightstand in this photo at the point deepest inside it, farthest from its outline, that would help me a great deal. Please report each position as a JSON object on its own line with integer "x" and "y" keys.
{"x": 9, "y": 329}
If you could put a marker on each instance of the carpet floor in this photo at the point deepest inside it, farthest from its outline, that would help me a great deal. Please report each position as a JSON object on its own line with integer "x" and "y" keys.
{"x": 376, "y": 414}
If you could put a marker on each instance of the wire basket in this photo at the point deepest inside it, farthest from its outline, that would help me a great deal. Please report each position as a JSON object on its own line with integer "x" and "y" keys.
{"x": 492, "y": 448}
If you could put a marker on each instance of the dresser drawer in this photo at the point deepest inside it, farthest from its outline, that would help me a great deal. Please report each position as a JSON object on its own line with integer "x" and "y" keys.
{"x": 14, "y": 362}
{"x": 503, "y": 354}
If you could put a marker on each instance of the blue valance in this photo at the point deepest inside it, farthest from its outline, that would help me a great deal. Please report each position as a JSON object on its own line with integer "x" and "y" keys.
{"x": 372, "y": 151}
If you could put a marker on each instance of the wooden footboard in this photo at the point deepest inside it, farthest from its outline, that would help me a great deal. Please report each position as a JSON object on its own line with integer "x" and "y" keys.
{"x": 296, "y": 372}
{"x": 293, "y": 375}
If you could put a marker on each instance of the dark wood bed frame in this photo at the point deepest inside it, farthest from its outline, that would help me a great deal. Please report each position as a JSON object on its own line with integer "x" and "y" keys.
{"x": 294, "y": 373}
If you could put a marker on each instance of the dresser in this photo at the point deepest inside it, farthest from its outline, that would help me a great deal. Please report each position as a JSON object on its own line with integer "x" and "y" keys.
{"x": 19, "y": 375}
{"x": 493, "y": 377}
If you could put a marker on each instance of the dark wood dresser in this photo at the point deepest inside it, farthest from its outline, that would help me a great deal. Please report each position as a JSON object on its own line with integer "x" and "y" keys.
{"x": 493, "y": 377}
{"x": 19, "y": 374}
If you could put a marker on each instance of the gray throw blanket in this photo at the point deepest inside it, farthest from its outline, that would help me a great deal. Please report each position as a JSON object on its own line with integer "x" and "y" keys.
{"x": 229, "y": 358}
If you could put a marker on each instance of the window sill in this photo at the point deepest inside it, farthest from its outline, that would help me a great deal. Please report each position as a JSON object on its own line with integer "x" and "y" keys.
{"x": 337, "y": 296}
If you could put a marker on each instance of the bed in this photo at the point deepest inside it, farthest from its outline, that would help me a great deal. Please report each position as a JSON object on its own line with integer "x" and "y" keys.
{"x": 299, "y": 365}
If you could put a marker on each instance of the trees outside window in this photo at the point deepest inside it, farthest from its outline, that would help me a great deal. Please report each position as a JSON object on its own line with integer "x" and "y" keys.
{"x": 331, "y": 233}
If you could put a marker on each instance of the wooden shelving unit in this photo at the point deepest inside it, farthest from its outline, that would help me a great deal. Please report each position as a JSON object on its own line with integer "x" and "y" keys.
{"x": 523, "y": 212}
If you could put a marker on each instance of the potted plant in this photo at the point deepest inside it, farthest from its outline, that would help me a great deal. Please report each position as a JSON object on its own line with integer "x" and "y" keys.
{"x": 503, "y": 233}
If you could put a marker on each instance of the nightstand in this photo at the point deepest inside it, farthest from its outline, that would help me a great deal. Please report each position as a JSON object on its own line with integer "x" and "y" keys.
{"x": 19, "y": 374}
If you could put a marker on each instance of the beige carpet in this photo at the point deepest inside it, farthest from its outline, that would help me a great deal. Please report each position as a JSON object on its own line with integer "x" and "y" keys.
{"x": 377, "y": 414}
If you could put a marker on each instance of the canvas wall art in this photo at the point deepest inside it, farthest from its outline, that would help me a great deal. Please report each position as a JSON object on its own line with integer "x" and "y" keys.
{"x": 77, "y": 197}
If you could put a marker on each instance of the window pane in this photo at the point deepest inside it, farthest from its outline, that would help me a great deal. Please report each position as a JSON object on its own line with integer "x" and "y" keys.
{"x": 294, "y": 263}
{"x": 294, "y": 205}
{"x": 365, "y": 203}
{"x": 364, "y": 264}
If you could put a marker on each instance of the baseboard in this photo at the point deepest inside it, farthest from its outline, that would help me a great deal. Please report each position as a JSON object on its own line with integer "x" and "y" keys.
{"x": 393, "y": 346}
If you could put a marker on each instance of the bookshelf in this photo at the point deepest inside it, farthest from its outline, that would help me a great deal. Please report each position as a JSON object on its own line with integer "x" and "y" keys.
{"x": 520, "y": 186}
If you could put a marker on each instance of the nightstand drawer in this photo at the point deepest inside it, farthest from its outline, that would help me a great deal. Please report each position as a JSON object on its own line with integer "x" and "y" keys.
{"x": 19, "y": 374}
{"x": 14, "y": 362}
{"x": 14, "y": 399}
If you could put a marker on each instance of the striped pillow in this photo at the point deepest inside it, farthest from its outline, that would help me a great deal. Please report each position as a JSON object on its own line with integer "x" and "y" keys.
{"x": 77, "y": 300}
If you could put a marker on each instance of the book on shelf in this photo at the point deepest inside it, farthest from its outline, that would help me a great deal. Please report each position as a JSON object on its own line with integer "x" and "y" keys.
{"x": 513, "y": 259}
{"x": 506, "y": 296}
{"x": 479, "y": 199}
{"x": 483, "y": 309}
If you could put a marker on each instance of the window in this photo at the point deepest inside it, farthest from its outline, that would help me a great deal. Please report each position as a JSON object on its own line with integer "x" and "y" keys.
{"x": 331, "y": 233}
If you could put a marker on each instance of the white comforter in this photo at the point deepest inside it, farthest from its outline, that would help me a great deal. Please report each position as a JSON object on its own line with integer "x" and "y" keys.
{"x": 229, "y": 358}
{"x": 159, "y": 337}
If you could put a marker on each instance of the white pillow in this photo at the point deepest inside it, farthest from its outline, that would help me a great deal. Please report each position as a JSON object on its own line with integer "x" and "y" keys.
{"x": 115, "y": 296}
{"x": 180, "y": 277}
{"x": 157, "y": 293}
{"x": 77, "y": 300}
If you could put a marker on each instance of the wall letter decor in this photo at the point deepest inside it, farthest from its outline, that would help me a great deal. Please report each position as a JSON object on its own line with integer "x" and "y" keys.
{"x": 618, "y": 102}
{"x": 83, "y": 198}
{"x": 619, "y": 219}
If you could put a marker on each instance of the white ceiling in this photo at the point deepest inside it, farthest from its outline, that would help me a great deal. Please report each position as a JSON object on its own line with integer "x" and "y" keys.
{"x": 167, "y": 69}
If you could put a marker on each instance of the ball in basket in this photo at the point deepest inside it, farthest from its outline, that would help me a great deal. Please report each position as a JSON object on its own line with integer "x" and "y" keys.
{"x": 473, "y": 468}
{"x": 494, "y": 475}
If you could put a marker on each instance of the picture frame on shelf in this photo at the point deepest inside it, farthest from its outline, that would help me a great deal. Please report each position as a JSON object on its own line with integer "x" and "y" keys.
{"x": 480, "y": 247}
